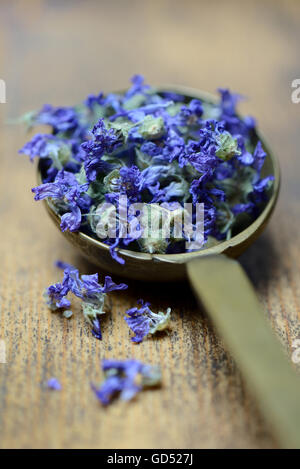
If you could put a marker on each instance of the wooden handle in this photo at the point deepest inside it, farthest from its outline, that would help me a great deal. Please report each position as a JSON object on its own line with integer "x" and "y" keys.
{"x": 227, "y": 295}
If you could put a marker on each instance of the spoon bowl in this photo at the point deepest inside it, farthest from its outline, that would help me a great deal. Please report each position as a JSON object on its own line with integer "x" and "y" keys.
{"x": 172, "y": 267}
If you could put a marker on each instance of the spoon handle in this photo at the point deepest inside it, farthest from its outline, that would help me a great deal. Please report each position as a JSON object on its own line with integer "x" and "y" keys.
{"x": 227, "y": 295}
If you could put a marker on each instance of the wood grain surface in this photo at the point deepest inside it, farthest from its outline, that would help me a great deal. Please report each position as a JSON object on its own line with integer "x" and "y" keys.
{"x": 58, "y": 52}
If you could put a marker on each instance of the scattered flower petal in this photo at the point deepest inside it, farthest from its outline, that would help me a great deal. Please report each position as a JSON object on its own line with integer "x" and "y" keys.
{"x": 142, "y": 321}
{"x": 121, "y": 379}
{"x": 85, "y": 287}
{"x": 54, "y": 384}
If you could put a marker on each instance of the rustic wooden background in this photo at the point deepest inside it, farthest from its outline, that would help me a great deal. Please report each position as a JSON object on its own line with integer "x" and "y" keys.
{"x": 59, "y": 51}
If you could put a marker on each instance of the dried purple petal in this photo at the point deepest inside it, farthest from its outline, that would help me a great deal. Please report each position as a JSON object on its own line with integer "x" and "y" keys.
{"x": 142, "y": 321}
{"x": 121, "y": 379}
{"x": 54, "y": 384}
{"x": 85, "y": 287}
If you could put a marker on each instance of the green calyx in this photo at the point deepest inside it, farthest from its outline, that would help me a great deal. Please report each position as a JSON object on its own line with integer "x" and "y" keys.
{"x": 152, "y": 128}
{"x": 227, "y": 146}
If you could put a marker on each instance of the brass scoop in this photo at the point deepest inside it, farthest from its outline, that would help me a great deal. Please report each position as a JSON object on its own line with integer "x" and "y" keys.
{"x": 229, "y": 299}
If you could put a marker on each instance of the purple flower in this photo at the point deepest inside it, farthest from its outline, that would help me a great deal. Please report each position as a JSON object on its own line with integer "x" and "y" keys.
{"x": 61, "y": 119}
{"x": 138, "y": 86}
{"x": 170, "y": 96}
{"x": 63, "y": 265}
{"x": 259, "y": 156}
{"x": 54, "y": 384}
{"x": 202, "y": 153}
{"x": 260, "y": 190}
{"x": 85, "y": 287}
{"x": 246, "y": 157}
{"x": 71, "y": 196}
{"x": 92, "y": 100}
{"x": 137, "y": 115}
{"x": 151, "y": 175}
{"x": 56, "y": 295}
{"x": 42, "y": 146}
{"x": 109, "y": 285}
{"x": 190, "y": 115}
{"x": 243, "y": 208}
{"x": 234, "y": 124}
{"x": 263, "y": 184}
{"x": 174, "y": 146}
{"x": 129, "y": 183}
{"x": 104, "y": 141}
{"x": 228, "y": 101}
{"x": 57, "y": 154}
{"x": 224, "y": 171}
{"x": 151, "y": 148}
{"x": 113, "y": 102}
{"x": 72, "y": 220}
{"x": 209, "y": 196}
{"x": 121, "y": 379}
{"x": 96, "y": 331}
{"x": 142, "y": 321}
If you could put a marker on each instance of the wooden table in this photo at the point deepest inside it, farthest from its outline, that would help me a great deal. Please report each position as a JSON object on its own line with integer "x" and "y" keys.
{"x": 58, "y": 52}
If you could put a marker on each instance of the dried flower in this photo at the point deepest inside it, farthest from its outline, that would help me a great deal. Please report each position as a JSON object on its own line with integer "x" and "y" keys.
{"x": 153, "y": 147}
{"x": 54, "y": 384}
{"x": 142, "y": 321}
{"x": 121, "y": 378}
{"x": 85, "y": 287}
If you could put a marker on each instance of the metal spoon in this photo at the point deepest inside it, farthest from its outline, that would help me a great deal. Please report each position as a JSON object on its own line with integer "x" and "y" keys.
{"x": 224, "y": 290}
